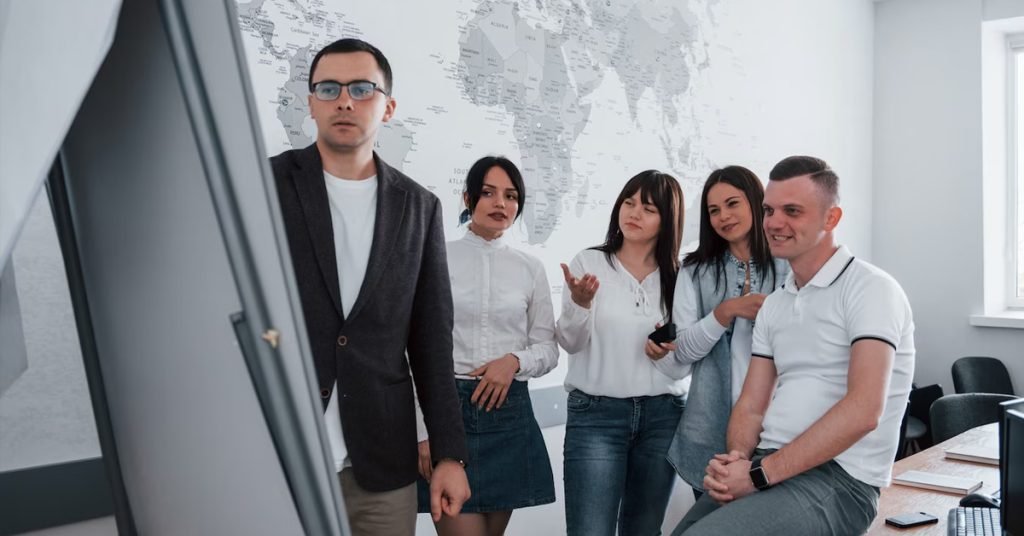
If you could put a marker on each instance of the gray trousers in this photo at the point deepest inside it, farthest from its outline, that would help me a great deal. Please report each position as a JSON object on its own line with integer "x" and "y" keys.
{"x": 825, "y": 500}
{"x": 388, "y": 513}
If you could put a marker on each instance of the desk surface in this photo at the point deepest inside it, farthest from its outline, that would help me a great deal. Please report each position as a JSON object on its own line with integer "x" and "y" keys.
{"x": 898, "y": 499}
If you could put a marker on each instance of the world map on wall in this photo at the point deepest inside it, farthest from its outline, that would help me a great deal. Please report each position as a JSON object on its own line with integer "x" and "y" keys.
{"x": 582, "y": 94}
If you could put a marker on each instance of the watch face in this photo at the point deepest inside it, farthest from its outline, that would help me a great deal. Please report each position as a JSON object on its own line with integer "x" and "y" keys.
{"x": 758, "y": 477}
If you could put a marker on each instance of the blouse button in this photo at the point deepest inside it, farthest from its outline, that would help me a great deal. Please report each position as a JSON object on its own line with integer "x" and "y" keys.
{"x": 324, "y": 393}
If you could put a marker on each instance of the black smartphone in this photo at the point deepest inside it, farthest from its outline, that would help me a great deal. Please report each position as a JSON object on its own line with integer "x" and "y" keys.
{"x": 913, "y": 519}
{"x": 666, "y": 333}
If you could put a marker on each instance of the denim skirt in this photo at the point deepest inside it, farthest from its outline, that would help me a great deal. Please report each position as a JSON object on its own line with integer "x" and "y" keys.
{"x": 508, "y": 465}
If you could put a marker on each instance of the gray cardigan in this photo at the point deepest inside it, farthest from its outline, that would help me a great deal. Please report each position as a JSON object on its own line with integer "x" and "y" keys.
{"x": 701, "y": 431}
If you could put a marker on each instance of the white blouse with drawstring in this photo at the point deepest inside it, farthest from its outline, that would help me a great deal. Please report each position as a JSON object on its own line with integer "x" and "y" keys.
{"x": 606, "y": 342}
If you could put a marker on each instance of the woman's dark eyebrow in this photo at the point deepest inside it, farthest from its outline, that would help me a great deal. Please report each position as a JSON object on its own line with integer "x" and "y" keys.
{"x": 493, "y": 187}
{"x": 724, "y": 202}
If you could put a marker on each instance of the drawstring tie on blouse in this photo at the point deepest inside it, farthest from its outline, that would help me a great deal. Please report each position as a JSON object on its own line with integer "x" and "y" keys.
{"x": 640, "y": 298}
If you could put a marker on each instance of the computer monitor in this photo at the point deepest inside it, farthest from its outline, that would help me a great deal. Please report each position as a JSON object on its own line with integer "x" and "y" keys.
{"x": 1011, "y": 465}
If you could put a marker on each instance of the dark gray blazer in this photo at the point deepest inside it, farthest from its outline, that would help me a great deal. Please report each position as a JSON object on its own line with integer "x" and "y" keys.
{"x": 404, "y": 305}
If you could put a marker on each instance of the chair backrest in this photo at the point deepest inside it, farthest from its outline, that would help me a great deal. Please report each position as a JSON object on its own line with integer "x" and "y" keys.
{"x": 902, "y": 448}
{"x": 954, "y": 414}
{"x": 921, "y": 400}
{"x": 981, "y": 375}
{"x": 919, "y": 429}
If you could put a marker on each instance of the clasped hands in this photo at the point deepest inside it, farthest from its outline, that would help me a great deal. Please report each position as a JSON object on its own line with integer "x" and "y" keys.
{"x": 727, "y": 477}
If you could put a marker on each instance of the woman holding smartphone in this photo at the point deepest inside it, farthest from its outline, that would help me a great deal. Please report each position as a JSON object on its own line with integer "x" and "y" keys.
{"x": 622, "y": 411}
{"x": 719, "y": 292}
{"x": 504, "y": 334}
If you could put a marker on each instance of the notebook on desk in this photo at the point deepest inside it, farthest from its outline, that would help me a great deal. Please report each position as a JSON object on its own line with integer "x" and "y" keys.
{"x": 974, "y": 453}
{"x": 938, "y": 482}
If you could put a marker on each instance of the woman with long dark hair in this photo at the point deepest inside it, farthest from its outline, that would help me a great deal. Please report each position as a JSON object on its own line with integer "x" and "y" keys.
{"x": 504, "y": 334}
{"x": 622, "y": 411}
{"x": 719, "y": 292}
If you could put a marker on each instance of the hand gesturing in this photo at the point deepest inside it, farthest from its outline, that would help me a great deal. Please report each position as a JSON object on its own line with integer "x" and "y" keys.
{"x": 582, "y": 289}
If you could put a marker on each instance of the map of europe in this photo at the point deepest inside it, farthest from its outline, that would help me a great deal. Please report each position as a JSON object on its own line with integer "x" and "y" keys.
{"x": 582, "y": 94}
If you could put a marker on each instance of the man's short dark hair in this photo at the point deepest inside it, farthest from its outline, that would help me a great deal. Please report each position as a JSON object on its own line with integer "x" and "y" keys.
{"x": 342, "y": 46}
{"x": 798, "y": 166}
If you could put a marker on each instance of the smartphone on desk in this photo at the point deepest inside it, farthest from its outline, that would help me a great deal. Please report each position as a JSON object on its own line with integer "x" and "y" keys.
{"x": 914, "y": 519}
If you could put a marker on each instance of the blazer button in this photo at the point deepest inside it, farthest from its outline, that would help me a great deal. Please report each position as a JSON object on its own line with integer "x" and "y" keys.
{"x": 342, "y": 341}
{"x": 324, "y": 393}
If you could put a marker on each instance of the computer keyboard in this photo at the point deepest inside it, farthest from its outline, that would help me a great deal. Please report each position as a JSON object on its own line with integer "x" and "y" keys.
{"x": 974, "y": 521}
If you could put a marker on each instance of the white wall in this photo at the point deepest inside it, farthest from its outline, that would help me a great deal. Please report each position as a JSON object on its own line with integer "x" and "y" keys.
{"x": 795, "y": 77}
{"x": 785, "y": 77}
{"x": 927, "y": 200}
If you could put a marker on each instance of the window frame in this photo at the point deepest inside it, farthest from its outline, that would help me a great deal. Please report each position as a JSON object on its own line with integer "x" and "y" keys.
{"x": 1014, "y": 105}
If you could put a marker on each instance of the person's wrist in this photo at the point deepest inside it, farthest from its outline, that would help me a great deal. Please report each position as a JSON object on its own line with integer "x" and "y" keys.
{"x": 515, "y": 358}
{"x": 723, "y": 314}
{"x": 758, "y": 475}
{"x": 440, "y": 461}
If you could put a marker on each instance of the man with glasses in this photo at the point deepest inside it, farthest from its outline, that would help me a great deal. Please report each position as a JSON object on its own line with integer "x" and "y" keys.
{"x": 368, "y": 250}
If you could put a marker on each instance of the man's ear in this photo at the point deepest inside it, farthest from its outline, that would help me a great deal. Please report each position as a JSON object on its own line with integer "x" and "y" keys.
{"x": 309, "y": 104}
{"x": 832, "y": 217}
{"x": 389, "y": 110}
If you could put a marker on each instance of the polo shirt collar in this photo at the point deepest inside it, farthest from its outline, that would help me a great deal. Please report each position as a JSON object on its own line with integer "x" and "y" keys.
{"x": 828, "y": 274}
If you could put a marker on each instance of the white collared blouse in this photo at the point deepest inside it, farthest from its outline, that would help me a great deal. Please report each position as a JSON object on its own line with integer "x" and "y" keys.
{"x": 502, "y": 305}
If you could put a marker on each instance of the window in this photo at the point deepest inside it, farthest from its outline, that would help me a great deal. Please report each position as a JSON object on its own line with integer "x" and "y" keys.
{"x": 1002, "y": 107}
{"x": 45, "y": 413}
{"x": 1015, "y": 165}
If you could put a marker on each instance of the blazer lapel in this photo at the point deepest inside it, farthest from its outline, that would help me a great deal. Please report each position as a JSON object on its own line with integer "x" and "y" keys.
{"x": 309, "y": 182}
{"x": 390, "y": 216}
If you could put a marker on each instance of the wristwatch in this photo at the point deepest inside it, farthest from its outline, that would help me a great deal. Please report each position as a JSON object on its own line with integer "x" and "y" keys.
{"x": 758, "y": 476}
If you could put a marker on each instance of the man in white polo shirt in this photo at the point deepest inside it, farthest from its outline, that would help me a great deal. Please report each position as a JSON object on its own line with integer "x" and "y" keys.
{"x": 815, "y": 430}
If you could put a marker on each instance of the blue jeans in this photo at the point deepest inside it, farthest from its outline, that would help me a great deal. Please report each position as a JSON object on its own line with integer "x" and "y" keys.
{"x": 615, "y": 467}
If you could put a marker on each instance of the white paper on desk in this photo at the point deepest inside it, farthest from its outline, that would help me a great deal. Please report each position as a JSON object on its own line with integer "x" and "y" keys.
{"x": 975, "y": 453}
{"x": 937, "y": 482}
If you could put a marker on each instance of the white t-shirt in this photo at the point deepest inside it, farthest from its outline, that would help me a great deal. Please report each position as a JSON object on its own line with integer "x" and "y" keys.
{"x": 809, "y": 333}
{"x": 606, "y": 342}
{"x": 353, "y": 215}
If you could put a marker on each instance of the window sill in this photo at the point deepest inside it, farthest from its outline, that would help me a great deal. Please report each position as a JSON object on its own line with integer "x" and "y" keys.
{"x": 1013, "y": 319}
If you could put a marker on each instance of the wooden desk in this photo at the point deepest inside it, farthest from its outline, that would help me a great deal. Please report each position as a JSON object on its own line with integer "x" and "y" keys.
{"x": 898, "y": 499}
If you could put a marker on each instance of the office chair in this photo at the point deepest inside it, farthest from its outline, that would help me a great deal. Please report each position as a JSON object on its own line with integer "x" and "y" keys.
{"x": 954, "y": 414}
{"x": 981, "y": 375}
{"x": 915, "y": 430}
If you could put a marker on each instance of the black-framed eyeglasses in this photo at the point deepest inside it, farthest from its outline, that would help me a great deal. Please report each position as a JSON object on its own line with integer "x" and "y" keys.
{"x": 328, "y": 90}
